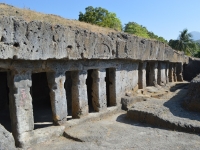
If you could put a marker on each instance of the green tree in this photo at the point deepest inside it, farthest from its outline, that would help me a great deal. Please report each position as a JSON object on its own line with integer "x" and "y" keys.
{"x": 159, "y": 38}
{"x": 134, "y": 28}
{"x": 101, "y": 17}
{"x": 139, "y": 30}
{"x": 184, "y": 43}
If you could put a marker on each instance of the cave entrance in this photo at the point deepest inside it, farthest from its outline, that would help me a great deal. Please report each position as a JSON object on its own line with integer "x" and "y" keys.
{"x": 184, "y": 72}
{"x": 89, "y": 82}
{"x": 110, "y": 87}
{"x": 4, "y": 102}
{"x": 68, "y": 89}
{"x": 41, "y": 101}
{"x": 107, "y": 79}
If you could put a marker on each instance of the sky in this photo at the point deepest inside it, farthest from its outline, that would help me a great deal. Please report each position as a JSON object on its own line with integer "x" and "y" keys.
{"x": 165, "y": 18}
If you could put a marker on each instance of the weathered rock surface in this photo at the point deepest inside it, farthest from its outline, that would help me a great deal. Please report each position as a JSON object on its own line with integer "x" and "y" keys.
{"x": 41, "y": 41}
{"x": 127, "y": 102}
{"x": 41, "y": 135}
{"x": 192, "y": 101}
{"x": 6, "y": 139}
{"x": 192, "y": 69}
{"x": 118, "y": 132}
{"x": 166, "y": 113}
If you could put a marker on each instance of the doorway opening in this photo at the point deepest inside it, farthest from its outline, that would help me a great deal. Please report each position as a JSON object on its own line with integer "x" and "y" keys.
{"x": 147, "y": 73}
{"x": 110, "y": 87}
{"x": 89, "y": 82}
{"x": 41, "y": 101}
{"x": 68, "y": 89}
{"x": 107, "y": 80}
{"x": 4, "y": 102}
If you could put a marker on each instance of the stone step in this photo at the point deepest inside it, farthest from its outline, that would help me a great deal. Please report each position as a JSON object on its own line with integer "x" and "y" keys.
{"x": 41, "y": 135}
{"x": 95, "y": 116}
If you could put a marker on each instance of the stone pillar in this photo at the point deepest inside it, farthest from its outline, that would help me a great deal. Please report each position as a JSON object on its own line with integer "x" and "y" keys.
{"x": 174, "y": 72}
{"x": 99, "y": 90}
{"x": 112, "y": 87}
{"x": 118, "y": 83}
{"x": 162, "y": 73}
{"x": 153, "y": 73}
{"x": 20, "y": 103}
{"x": 115, "y": 88}
{"x": 56, "y": 82}
{"x": 171, "y": 72}
{"x": 179, "y": 70}
{"x": 142, "y": 75}
{"x": 79, "y": 94}
{"x": 167, "y": 72}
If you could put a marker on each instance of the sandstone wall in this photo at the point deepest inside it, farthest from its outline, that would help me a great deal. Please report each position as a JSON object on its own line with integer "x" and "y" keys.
{"x": 42, "y": 41}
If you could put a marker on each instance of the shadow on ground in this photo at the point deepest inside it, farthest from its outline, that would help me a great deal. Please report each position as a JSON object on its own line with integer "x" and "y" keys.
{"x": 175, "y": 103}
{"x": 124, "y": 119}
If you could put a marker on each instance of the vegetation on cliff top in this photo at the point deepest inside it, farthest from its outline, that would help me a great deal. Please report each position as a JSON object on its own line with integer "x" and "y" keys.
{"x": 102, "y": 17}
{"x": 186, "y": 44}
{"x": 102, "y": 21}
{"x": 134, "y": 28}
{"x": 30, "y": 15}
{"x": 104, "y": 27}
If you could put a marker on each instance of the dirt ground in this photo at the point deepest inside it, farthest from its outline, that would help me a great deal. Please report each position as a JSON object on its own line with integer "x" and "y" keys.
{"x": 120, "y": 132}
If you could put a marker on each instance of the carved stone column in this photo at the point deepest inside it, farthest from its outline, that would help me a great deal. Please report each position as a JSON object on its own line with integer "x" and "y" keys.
{"x": 142, "y": 75}
{"x": 99, "y": 90}
{"x": 79, "y": 94}
{"x": 179, "y": 70}
{"x": 153, "y": 73}
{"x": 171, "y": 72}
{"x": 56, "y": 82}
{"x": 162, "y": 73}
{"x": 167, "y": 72}
{"x": 174, "y": 72}
{"x": 20, "y": 103}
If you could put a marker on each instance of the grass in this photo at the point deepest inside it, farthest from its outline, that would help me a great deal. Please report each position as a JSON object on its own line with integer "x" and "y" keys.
{"x": 30, "y": 15}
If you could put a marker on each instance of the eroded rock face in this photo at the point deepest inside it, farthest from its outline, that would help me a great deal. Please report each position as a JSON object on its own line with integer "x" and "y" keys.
{"x": 6, "y": 139}
{"x": 192, "y": 101}
{"x": 41, "y": 41}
